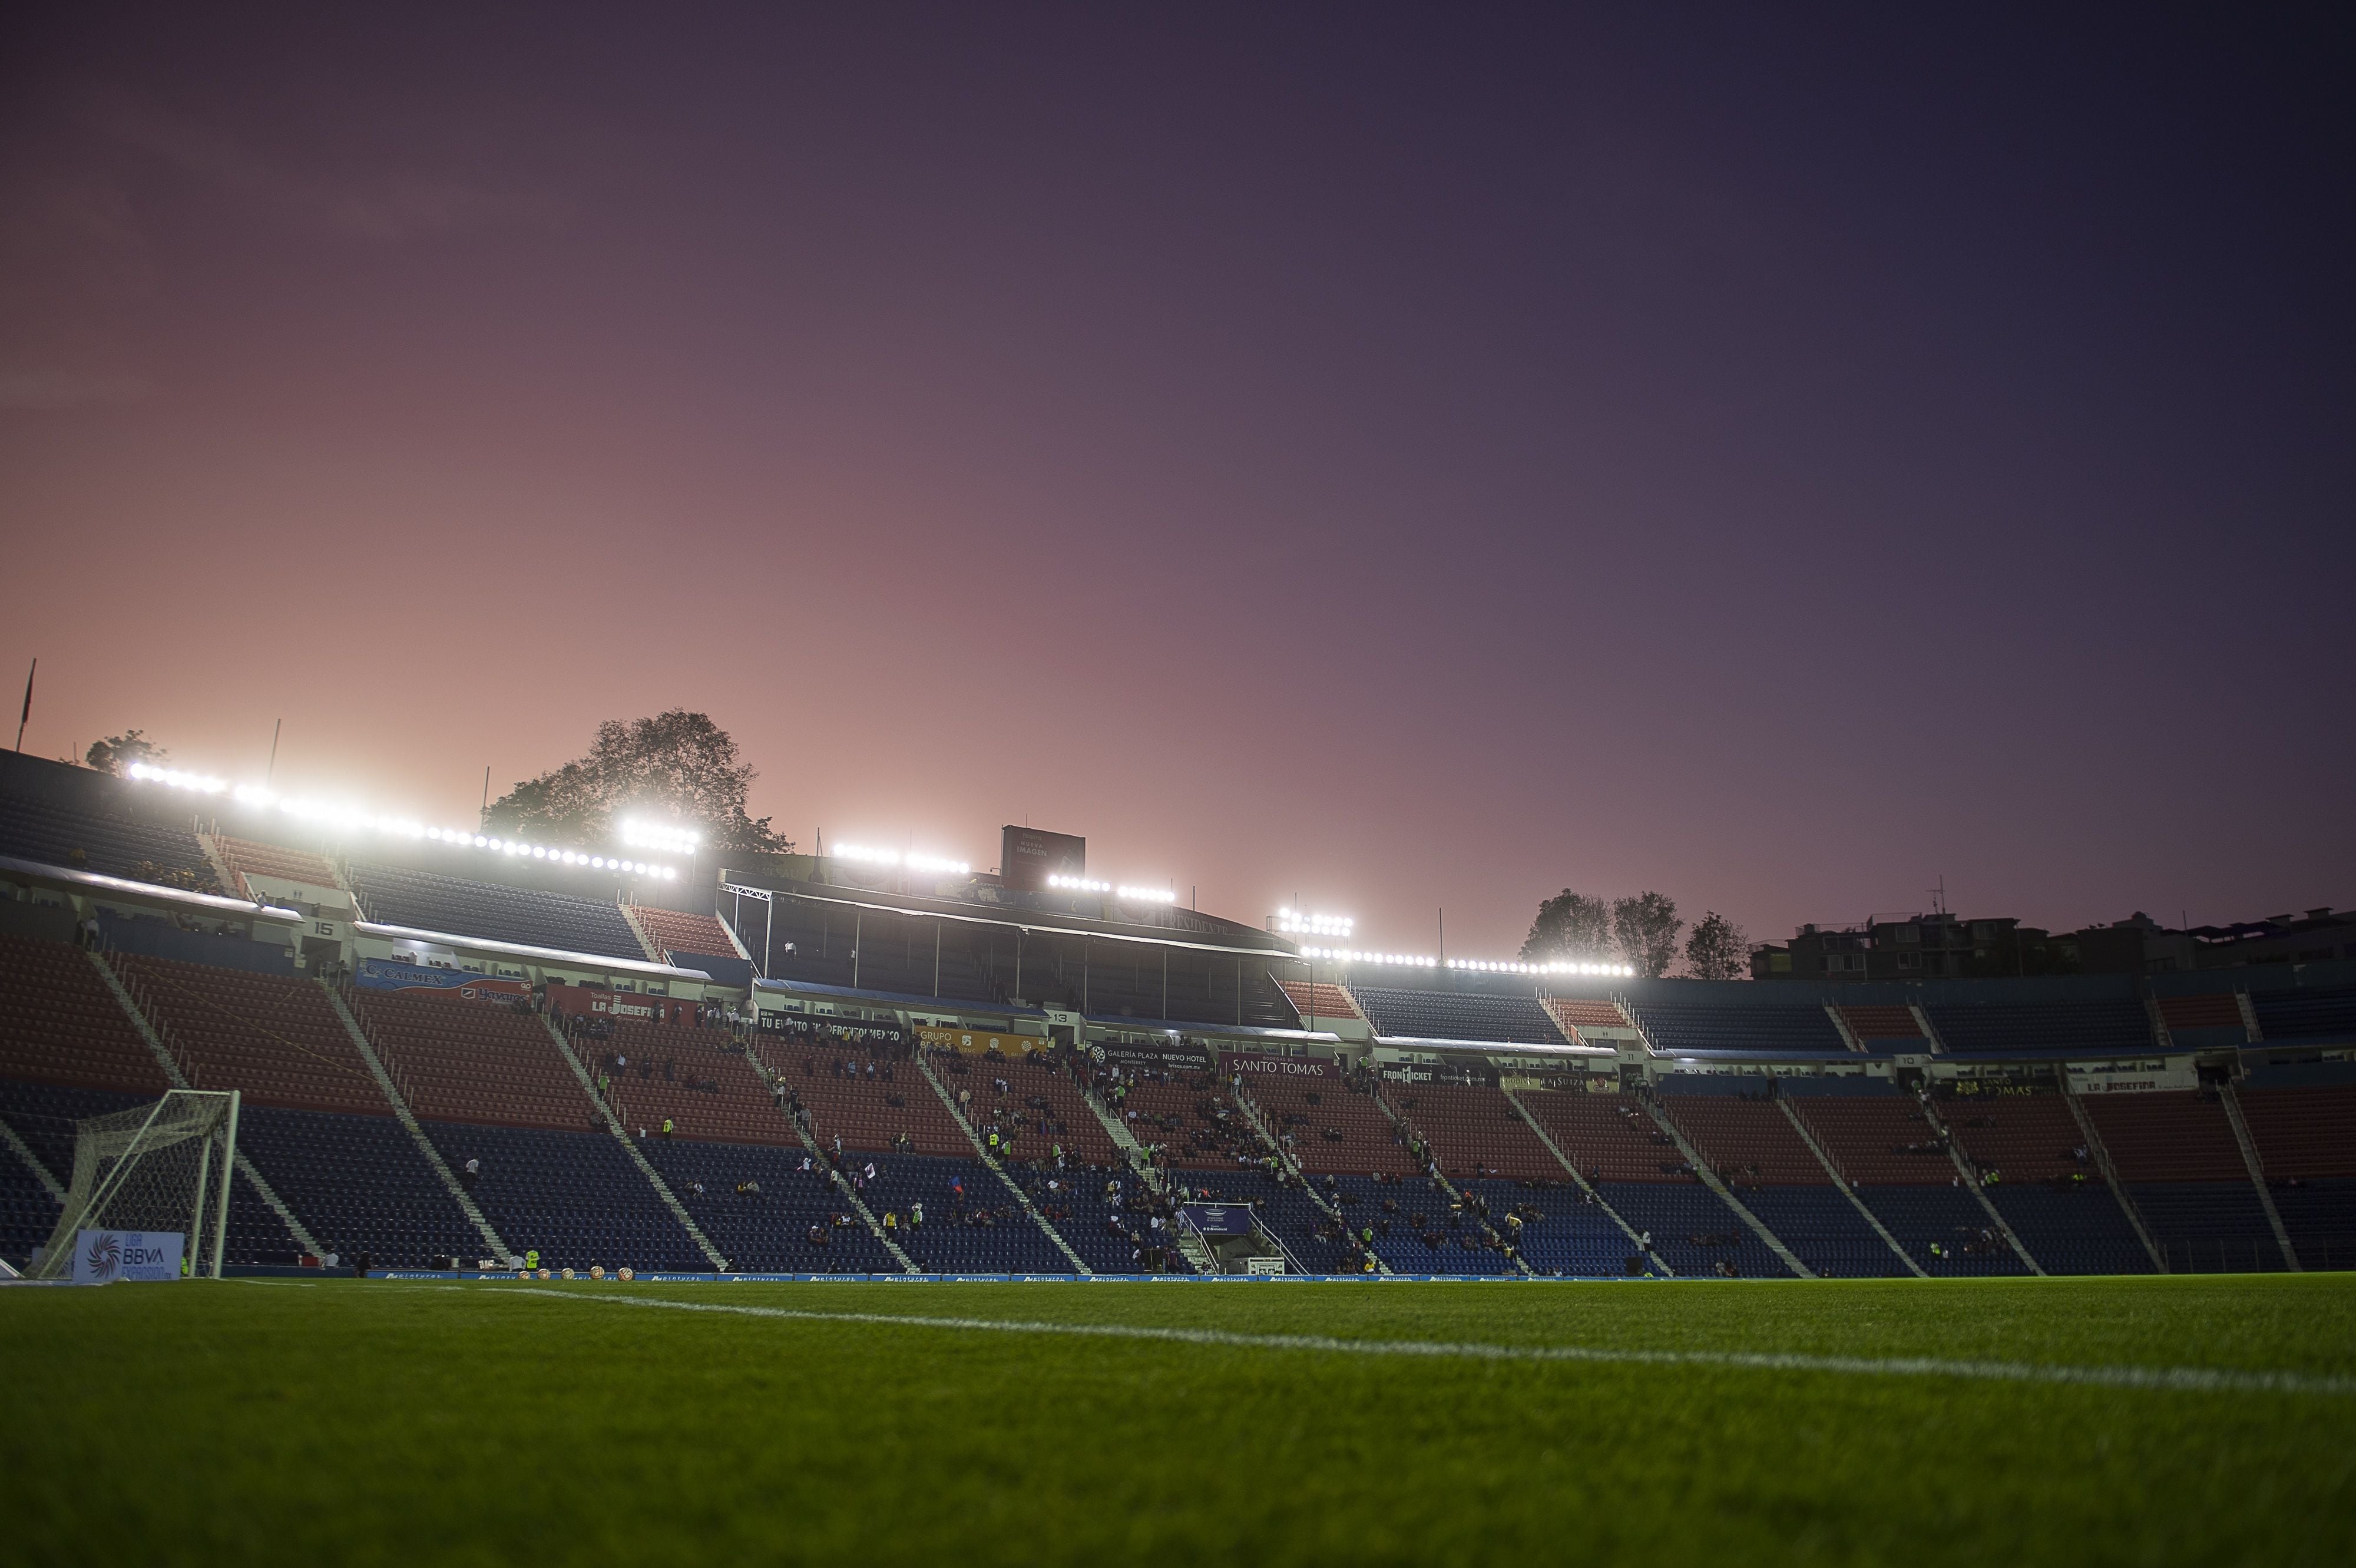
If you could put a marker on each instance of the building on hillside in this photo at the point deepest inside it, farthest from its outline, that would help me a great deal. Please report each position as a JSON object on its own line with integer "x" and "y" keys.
{"x": 2141, "y": 945}
{"x": 1939, "y": 946}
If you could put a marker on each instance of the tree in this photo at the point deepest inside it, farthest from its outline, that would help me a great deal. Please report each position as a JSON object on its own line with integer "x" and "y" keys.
{"x": 1644, "y": 928}
{"x": 677, "y": 767}
{"x": 1571, "y": 927}
{"x": 116, "y": 753}
{"x": 1717, "y": 950}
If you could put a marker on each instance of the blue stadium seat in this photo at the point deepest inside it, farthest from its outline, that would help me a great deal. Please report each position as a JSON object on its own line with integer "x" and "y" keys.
{"x": 1781, "y": 1028}
{"x": 1950, "y": 1216}
{"x": 1457, "y": 1015}
{"x": 2071, "y": 1231}
{"x": 576, "y": 1197}
{"x": 1677, "y": 1212}
{"x": 767, "y": 1231}
{"x": 2080, "y": 1028}
{"x": 425, "y": 901}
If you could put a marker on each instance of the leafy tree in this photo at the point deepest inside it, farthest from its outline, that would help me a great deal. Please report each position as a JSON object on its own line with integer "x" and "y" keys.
{"x": 1644, "y": 928}
{"x": 677, "y": 767}
{"x": 116, "y": 753}
{"x": 1571, "y": 927}
{"x": 1717, "y": 950}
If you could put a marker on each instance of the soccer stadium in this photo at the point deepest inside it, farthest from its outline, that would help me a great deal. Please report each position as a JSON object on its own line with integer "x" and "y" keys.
{"x": 1152, "y": 785}
{"x": 391, "y": 1061}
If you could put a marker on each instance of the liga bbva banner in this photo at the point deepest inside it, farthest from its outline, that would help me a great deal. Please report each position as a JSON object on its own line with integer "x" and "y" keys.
{"x": 102, "y": 1257}
{"x": 974, "y": 1043}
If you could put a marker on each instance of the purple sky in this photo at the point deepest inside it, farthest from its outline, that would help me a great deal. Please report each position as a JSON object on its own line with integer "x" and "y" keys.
{"x": 1406, "y": 457}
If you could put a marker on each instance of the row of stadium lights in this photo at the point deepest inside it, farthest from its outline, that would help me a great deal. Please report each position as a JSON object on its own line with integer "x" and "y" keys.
{"x": 676, "y": 841}
{"x": 1469, "y": 965}
{"x": 911, "y": 860}
{"x": 1124, "y": 891}
{"x": 1295, "y": 922}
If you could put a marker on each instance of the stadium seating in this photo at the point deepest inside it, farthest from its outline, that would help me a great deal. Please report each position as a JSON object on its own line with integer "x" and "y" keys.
{"x": 277, "y": 1040}
{"x": 768, "y": 1230}
{"x": 246, "y": 855}
{"x": 2210, "y": 1019}
{"x": 1584, "y": 1013}
{"x": 2176, "y": 1154}
{"x": 1419, "y": 1228}
{"x": 43, "y": 1115}
{"x": 868, "y": 1111}
{"x": 696, "y": 1076}
{"x": 1636, "y": 1168}
{"x": 490, "y": 1082}
{"x": 61, "y": 1025}
{"x": 2305, "y": 1137}
{"x": 1110, "y": 1238}
{"x": 111, "y": 846}
{"x": 1885, "y": 1028}
{"x": 473, "y": 1061}
{"x": 1785, "y": 1030}
{"x": 2052, "y": 1028}
{"x": 425, "y": 901}
{"x": 1565, "y": 1232}
{"x": 1882, "y": 1144}
{"x": 1193, "y": 1119}
{"x": 1321, "y": 1000}
{"x": 2044, "y": 1183}
{"x": 573, "y": 1195}
{"x": 1040, "y": 1106}
{"x": 1331, "y": 1128}
{"x": 1692, "y": 1231}
{"x": 1759, "y": 1155}
{"x": 359, "y": 1184}
{"x": 2306, "y": 1014}
{"x": 983, "y": 1231}
{"x": 1474, "y": 1131}
{"x": 675, "y": 930}
{"x": 1457, "y": 1015}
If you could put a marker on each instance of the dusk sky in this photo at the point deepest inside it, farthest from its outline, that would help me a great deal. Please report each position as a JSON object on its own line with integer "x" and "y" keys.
{"x": 1404, "y": 457}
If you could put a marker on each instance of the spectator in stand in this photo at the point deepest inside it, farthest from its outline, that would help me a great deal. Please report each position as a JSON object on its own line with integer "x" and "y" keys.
{"x": 472, "y": 1173}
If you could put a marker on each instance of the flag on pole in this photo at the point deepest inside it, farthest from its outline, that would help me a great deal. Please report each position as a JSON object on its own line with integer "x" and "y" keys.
{"x": 25, "y": 717}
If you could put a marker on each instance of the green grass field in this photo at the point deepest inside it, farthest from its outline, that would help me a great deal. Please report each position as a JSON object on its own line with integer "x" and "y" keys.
{"x": 1737, "y": 1423}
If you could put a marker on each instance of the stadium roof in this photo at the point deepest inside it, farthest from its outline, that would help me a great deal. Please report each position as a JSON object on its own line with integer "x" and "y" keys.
{"x": 539, "y": 955}
{"x": 1241, "y": 941}
{"x": 213, "y": 904}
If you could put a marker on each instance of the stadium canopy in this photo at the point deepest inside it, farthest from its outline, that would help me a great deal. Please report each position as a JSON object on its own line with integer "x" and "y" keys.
{"x": 1242, "y": 942}
{"x": 639, "y": 969}
{"x": 117, "y": 892}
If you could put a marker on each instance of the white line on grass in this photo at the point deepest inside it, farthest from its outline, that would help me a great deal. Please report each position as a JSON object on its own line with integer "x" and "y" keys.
{"x": 2188, "y": 1380}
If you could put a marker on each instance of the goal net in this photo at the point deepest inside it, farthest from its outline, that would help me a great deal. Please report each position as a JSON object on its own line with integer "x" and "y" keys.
{"x": 143, "y": 1177}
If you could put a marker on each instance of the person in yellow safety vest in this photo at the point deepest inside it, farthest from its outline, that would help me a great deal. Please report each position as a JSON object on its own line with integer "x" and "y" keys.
{"x": 666, "y": 1126}
{"x": 890, "y": 1222}
{"x": 993, "y": 1140}
{"x": 531, "y": 1257}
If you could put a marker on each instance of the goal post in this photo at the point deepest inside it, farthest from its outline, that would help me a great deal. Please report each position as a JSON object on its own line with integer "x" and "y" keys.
{"x": 156, "y": 1170}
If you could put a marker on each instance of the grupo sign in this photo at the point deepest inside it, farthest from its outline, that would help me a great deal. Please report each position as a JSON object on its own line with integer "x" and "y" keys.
{"x": 1253, "y": 1064}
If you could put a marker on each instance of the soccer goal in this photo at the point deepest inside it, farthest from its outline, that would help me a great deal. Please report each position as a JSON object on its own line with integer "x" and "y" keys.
{"x": 149, "y": 1183}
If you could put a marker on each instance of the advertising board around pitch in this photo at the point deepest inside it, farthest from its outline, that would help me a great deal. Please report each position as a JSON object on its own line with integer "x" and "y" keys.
{"x": 102, "y": 1257}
